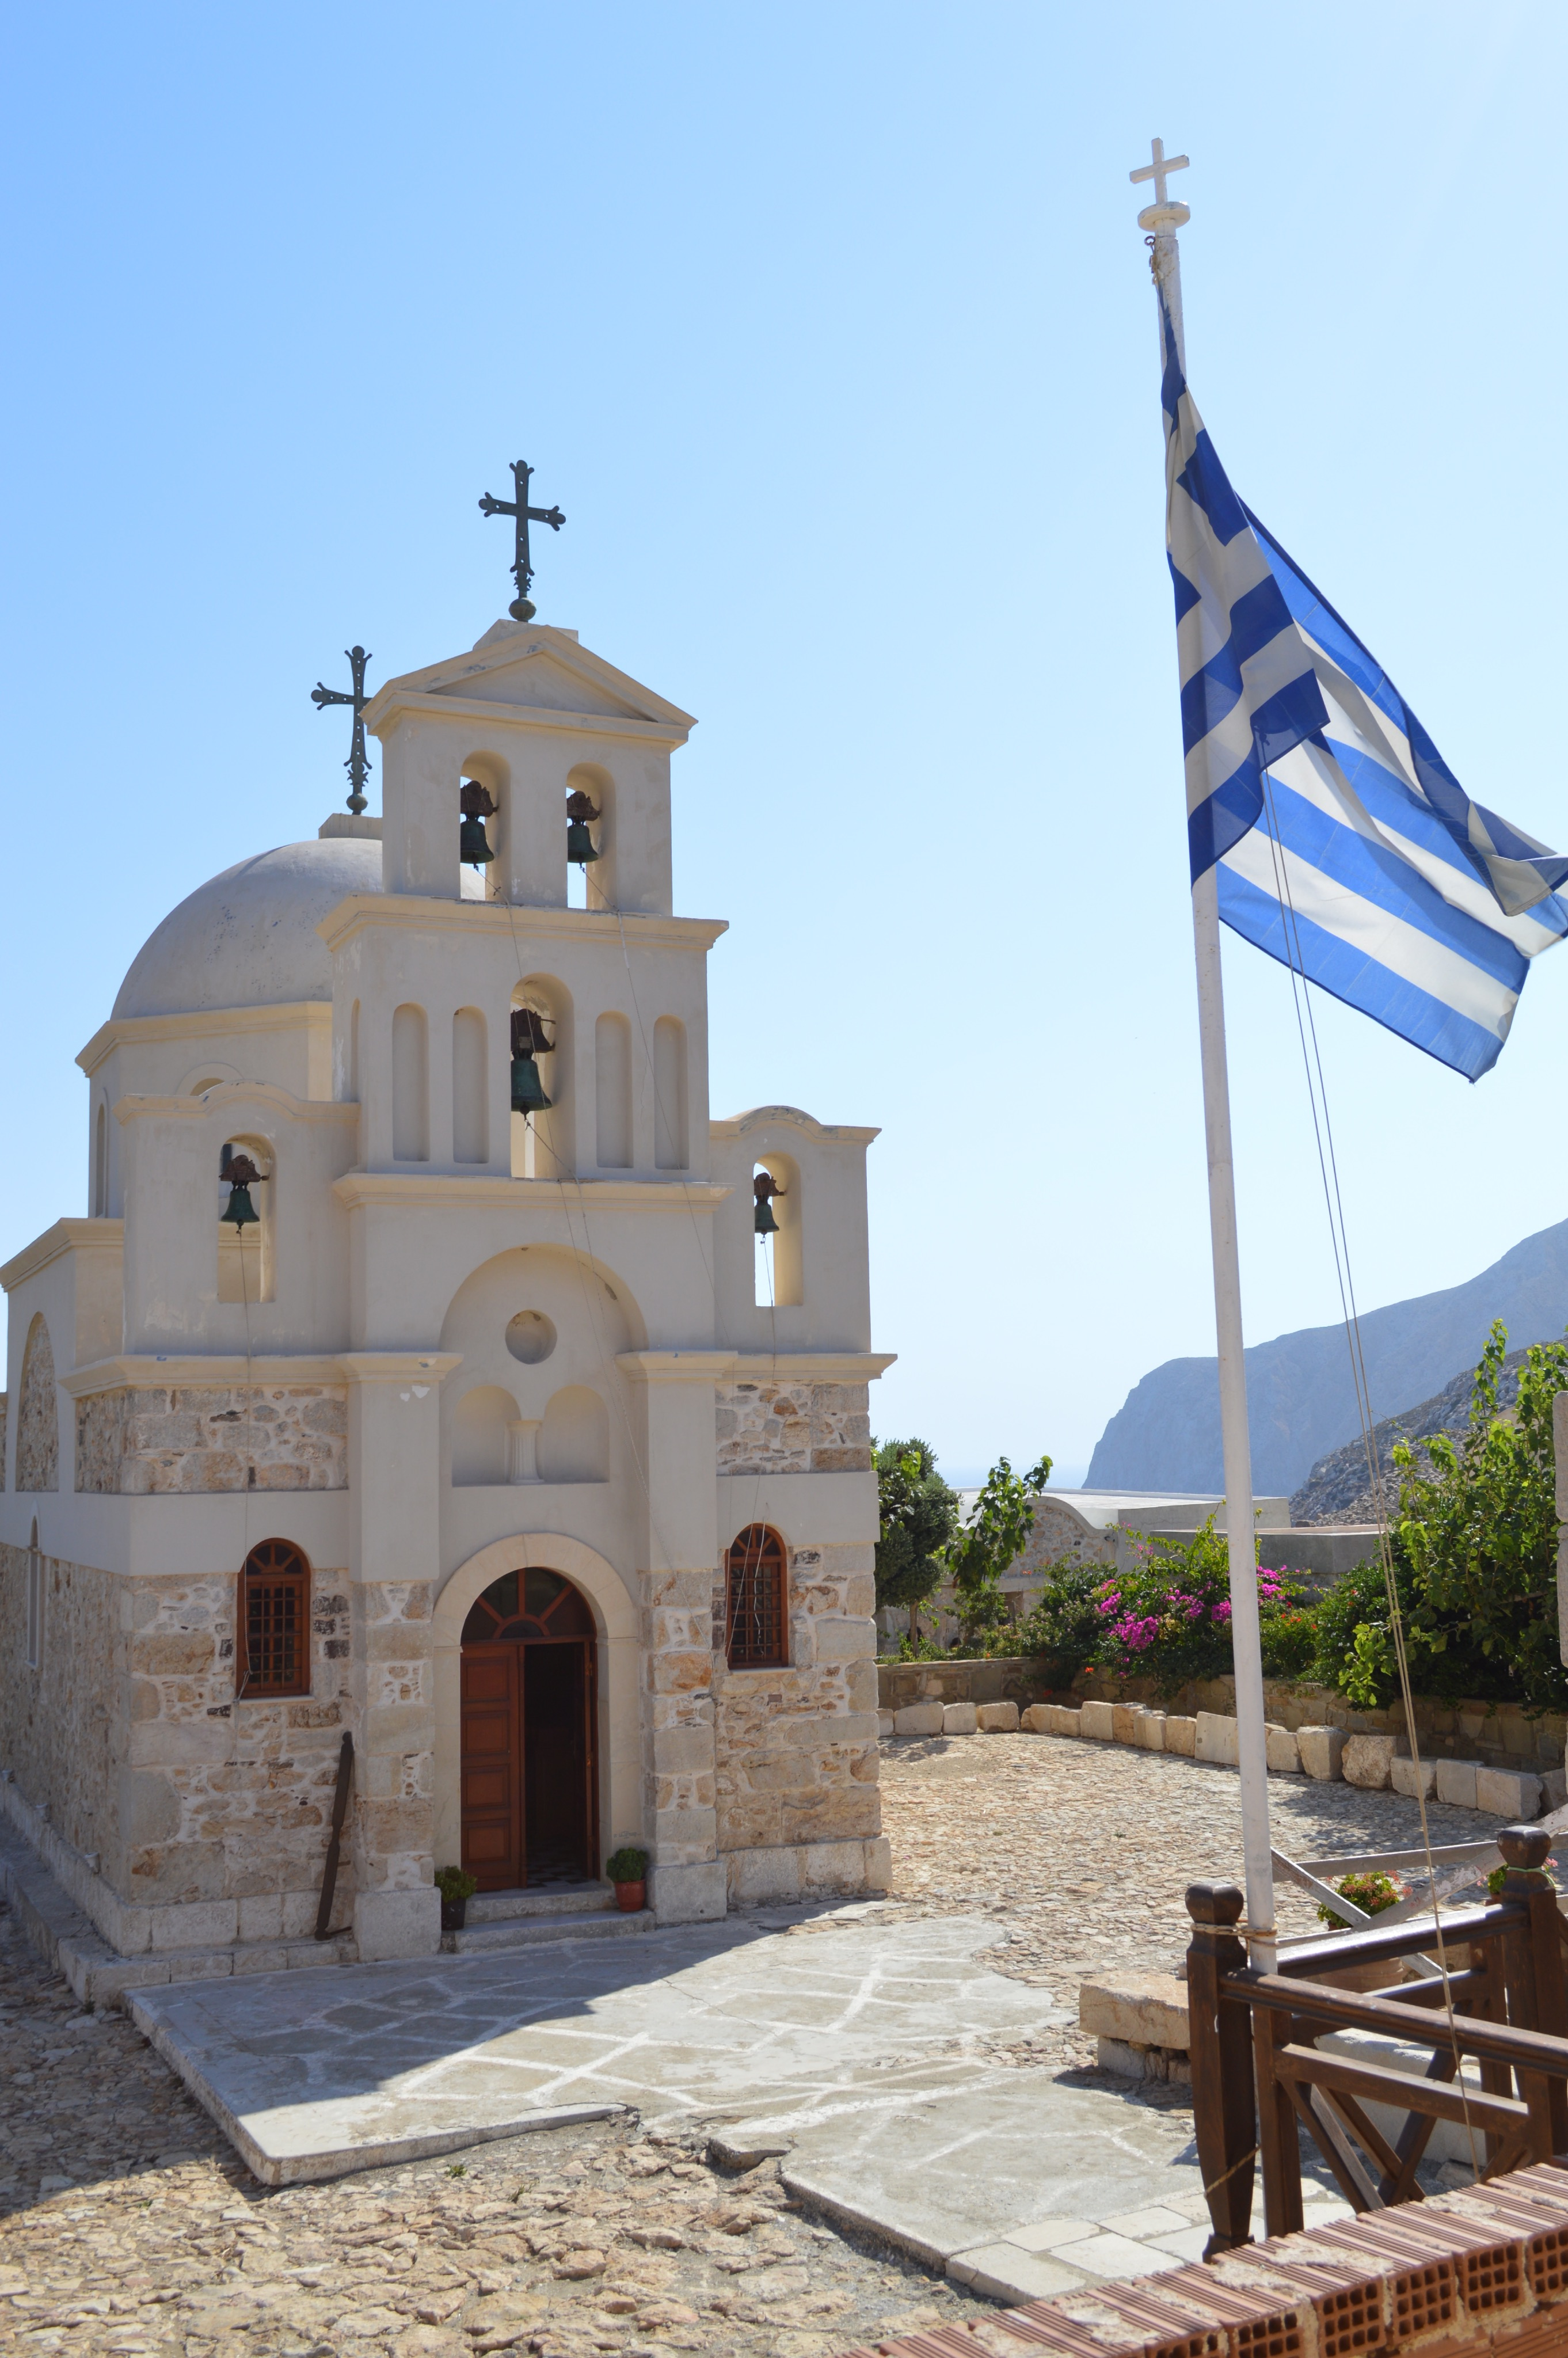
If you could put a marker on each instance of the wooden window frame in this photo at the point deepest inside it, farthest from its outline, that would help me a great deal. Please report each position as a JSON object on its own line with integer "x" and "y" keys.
{"x": 278, "y": 1566}
{"x": 755, "y": 1554}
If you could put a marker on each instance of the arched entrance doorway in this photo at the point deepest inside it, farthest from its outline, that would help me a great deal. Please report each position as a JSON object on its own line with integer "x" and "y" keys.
{"x": 529, "y": 1788}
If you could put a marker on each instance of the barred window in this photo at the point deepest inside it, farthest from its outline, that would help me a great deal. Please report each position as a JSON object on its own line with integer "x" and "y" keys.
{"x": 754, "y": 1593}
{"x": 275, "y": 1622}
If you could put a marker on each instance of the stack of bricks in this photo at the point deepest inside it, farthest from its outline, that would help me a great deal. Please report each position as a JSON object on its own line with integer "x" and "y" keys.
{"x": 1479, "y": 2271}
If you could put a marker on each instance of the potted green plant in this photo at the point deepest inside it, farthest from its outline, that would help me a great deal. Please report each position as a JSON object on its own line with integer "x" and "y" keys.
{"x": 628, "y": 1871}
{"x": 457, "y": 1887}
{"x": 1372, "y": 1890}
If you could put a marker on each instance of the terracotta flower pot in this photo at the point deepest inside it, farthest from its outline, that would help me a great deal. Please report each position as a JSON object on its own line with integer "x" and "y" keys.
{"x": 629, "y": 1897}
{"x": 454, "y": 1915}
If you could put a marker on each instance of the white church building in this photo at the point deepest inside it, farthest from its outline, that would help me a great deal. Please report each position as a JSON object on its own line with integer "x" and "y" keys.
{"x": 493, "y": 1443}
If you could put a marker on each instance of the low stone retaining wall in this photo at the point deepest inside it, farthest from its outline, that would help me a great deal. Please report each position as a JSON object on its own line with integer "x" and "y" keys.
{"x": 1499, "y": 1735}
{"x": 1488, "y": 1735}
{"x": 1005, "y": 1678}
{"x": 1374, "y": 1761}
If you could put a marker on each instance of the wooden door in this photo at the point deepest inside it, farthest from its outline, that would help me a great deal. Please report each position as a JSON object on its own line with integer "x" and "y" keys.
{"x": 491, "y": 1766}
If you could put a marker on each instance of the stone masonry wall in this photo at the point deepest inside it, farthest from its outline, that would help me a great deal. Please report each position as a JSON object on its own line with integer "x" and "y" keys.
{"x": 38, "y": 1415}
{"x": 192, "y": 1438}
{"x": 770, "y": 1428}
{"x": 55, "y": 1724}
{"x": 678, "y": 1664}
{"x": 796, "y": 1747}
{"x": 225, "y": 1802}
{"x": 393, "y": 1821}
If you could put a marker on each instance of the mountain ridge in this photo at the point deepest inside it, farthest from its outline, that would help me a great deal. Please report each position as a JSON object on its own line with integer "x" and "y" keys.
{"x": 1300, "y": 1395}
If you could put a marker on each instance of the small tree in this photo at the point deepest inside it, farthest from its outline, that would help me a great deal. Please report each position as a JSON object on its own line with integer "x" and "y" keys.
{"x": 994, "y": 1537}
{"x": 1480, "y": 1534}
{"x": 919, "y": 1514}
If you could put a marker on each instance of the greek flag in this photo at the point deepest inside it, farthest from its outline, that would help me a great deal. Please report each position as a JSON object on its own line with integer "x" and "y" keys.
{"x": 1371, "y": 871}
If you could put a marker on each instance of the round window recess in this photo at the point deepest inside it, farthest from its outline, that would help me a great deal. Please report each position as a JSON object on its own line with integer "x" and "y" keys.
{"x": 530, "y": 1337}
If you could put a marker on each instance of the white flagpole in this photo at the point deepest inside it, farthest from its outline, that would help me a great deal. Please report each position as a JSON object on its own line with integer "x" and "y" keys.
{"x": 1163, "y": 219}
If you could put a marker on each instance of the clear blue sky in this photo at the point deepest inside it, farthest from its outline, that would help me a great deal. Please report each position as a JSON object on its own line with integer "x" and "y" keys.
{"x": 830, "y": 330}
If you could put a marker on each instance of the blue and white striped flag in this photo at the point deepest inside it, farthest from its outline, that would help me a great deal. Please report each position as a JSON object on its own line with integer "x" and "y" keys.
{"x": 1345, "y": 847}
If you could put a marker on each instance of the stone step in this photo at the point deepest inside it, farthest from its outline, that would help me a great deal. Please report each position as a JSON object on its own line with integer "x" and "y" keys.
{"x": 555, "y": 1899}
{"x": 528, "y": 1932}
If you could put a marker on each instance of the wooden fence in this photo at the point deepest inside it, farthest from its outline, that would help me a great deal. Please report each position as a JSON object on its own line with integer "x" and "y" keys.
{"x": 1258, "y": 2075}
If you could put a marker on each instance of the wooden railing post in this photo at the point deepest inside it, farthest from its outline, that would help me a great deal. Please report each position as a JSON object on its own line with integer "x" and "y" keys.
{"x": 1219, "y": 2033}
{"x": 1532, "y": 1961}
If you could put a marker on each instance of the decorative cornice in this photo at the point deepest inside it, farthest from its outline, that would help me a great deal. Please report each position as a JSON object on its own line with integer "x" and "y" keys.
{"x": 513, "y": 919}
{"x": 745, "y": 1366}
{"x": 356, "y": 1189}
{"x": 65, "y": 1237}
{"x": 737, "y": 1125}
{"x": 676, "y": 1367}
{"x": 226, "y": 1095}
{"x": 398, "y": 1366}
{"x": 812, "y": 1366}
{"x": 131, "y": 1030}
{"x": 393, "y": 703}
{"x": 148, "y": 1371}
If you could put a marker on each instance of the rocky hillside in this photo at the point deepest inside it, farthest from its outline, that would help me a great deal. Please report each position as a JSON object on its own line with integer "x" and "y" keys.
{"x": 1340, "y": 1488}
{"x": 1299, "y": 1389}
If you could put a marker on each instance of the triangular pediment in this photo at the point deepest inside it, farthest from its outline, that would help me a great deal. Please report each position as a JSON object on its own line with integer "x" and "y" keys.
{"x": 535, "y": 665}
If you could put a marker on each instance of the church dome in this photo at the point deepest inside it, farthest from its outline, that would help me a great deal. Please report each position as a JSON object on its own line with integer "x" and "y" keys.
{"x": 248, "y": 938}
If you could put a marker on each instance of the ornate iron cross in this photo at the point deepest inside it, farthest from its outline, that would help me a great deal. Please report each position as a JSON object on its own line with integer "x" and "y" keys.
{"x": 522, "y": 608}
{"x": 356, "y": 765}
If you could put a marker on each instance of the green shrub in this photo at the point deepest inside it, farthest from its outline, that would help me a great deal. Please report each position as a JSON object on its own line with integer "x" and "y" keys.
{"x": 1475, "y": 1560}
{"x": 918, "y": 1514}
{"x": 456, "y": 1883}
{"x": 1168, "y": 1617}
{"x": 627, "y": 1865}
{"x": 1063, "y": 1626}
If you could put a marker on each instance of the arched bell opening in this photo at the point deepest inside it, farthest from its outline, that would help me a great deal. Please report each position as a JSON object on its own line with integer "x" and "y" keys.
{"x": 529, "y": 1780}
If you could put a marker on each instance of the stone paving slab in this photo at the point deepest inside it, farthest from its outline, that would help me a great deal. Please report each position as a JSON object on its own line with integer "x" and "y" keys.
{"x": 312, "y": 2075}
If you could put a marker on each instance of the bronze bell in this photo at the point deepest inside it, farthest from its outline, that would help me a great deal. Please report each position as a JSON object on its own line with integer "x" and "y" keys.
{"x": 766, "y": 1187}
{"x": 527, "y": 1090}
{"x": 476, "y": 805}
{"x": 242, "y": 1176}
{"x": 579, "y": 843}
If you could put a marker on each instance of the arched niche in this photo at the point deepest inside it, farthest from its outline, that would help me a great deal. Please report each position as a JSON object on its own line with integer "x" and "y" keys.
{"x": 613, "y": 1092}
{"x": 615, "y": 1614}
{"x": 410, "y": 1085}
{"x": 494, "y": 771}
{"x": 780, "y": 1258}
{"x": 574, "y": 1438}
{"x": 471, "y": 1085}
{"x": 247, "y": 1256}
{"x": 547, "y": 1412}
{"x": 671, "y": 1127}
{"x": 482, "y": 1436}
{"x": 544, "y": 1145}
{"x": 592, "y": 779}
{"x": 38, "y": 1415}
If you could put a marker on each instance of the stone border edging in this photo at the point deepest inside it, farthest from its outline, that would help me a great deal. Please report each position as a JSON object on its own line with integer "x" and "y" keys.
{"x": 1372, "y": 1762}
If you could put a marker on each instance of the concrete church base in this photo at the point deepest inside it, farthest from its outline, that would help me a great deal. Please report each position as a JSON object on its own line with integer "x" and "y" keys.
{"x": 687, "y": 1895}
{"x": 392, "y": 1925}
{"x": 810, "y": 1870}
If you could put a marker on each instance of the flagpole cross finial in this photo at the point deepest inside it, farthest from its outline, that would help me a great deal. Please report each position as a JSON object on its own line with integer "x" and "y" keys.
{"x": 1166, "y": 212}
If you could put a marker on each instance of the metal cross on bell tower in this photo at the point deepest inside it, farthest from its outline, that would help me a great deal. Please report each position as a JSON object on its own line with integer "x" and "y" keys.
{"x": 356, "y": 765}
{"x": 522, "y": 609}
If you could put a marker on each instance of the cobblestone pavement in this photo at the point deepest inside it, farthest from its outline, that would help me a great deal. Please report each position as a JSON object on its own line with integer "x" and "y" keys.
{"x": 1082, "y": 1851}
{"x": 127, "y": 2225}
